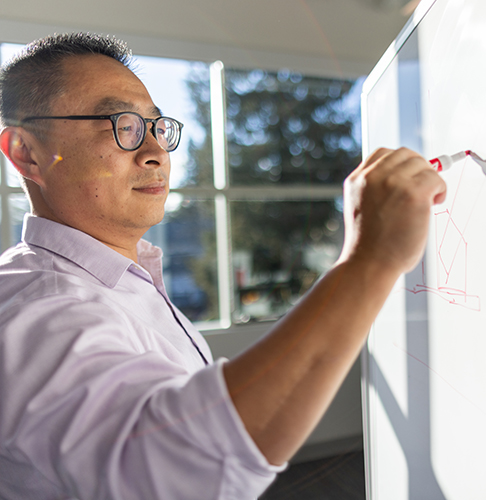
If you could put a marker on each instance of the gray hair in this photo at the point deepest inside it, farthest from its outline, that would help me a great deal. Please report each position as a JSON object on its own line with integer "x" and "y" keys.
{"x": 30, "y": 81}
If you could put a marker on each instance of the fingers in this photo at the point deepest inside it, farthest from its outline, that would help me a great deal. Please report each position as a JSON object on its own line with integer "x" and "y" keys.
{"x": 432, "y": 185}
{"x": 376, "y": 155}
{"x": 406, "y": 160}
{"x": 387, "y": 206}
{"x": 401, "y": 167}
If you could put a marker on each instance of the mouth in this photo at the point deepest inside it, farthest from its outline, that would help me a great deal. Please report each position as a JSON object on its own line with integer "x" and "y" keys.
{"x": 154, "y": 188}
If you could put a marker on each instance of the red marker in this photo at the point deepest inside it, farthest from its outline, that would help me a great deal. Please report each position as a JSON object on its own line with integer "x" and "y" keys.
{"x": 445, "y": 162}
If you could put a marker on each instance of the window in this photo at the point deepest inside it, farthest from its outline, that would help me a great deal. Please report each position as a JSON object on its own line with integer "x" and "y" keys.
{"x": 13, "y": 203}
{"x": 294, "y": 138}
{"x": 290, "y": 142}
{"x": 255, "y": 214}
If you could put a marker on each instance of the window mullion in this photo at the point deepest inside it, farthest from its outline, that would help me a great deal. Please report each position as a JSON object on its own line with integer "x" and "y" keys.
{"x": 223, "y": 253}
{"x": 218, "y": 122}
{"x": 220, "y": 180}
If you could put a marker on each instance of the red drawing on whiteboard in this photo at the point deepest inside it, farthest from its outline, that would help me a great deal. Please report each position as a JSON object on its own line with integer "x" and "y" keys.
{"x": 452, "y": 254}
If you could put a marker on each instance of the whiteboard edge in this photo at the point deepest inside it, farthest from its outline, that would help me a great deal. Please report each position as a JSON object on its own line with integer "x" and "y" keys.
{"x": 420, "y": 12}
{"x": 365, "y": 405}
{"x": 368, "y": 85}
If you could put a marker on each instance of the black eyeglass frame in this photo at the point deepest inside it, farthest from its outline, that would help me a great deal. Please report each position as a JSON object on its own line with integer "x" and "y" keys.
{"x": 114, "y": 121}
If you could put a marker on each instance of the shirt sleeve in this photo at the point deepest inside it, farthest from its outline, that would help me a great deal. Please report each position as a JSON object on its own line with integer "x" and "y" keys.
{"x": 97, "y": 418}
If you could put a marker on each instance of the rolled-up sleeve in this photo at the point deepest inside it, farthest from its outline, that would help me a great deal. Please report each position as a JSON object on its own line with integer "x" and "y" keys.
{"x": 98, "y": 418}
{"x": 196, "y": 427}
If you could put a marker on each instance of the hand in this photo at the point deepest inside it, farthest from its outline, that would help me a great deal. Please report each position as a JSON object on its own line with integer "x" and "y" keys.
{"x": 387, "y": 208}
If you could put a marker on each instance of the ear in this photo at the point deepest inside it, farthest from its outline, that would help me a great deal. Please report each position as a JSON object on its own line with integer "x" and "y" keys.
{"x": 15, "y": 143}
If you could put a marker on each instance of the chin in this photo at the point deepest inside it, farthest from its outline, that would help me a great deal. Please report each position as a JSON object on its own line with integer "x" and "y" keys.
{"x": 154, "y": 219}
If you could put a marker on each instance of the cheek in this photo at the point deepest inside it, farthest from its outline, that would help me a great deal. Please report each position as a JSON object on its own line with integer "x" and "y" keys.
{"x": 105, "y": 189}
{"x": 92, "y": 177}
{"x": 87, "y": 175}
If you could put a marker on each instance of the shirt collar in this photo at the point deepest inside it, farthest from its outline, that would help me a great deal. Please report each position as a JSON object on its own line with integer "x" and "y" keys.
{"x": 150, "y": 257}
{"x": 95, "y": 257}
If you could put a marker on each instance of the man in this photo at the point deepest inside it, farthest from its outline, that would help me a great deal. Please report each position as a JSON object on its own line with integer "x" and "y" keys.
{"x": 106, "y": 390}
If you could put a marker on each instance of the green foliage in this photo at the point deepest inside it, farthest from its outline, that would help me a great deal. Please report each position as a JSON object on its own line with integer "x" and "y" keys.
{"x": 282, "y": 130}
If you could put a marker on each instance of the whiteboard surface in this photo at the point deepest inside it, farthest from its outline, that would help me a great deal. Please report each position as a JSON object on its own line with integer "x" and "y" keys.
{"x": 425, "y": 360}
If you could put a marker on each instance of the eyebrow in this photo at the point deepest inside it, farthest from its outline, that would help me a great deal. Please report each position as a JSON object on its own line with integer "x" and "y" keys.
{"x": 110, "y": 105}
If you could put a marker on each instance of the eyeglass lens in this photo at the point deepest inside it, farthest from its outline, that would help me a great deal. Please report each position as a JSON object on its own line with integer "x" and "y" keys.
{"x": 130, "y": 131}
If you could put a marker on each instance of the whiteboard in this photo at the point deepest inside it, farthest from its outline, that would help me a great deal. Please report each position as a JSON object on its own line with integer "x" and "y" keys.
{"x": 424, "y": 365}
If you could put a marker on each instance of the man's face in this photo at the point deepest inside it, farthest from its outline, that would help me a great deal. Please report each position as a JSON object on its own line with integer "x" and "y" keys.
{"x": 89, "y": 182}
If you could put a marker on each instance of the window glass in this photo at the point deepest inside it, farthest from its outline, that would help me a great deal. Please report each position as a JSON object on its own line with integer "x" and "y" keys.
{"x": 181, "y": 90}
{"x": 12, "y": 176}
{"x": 187, "y": 237}
{"x": 18, "y": 205}
{"x": 7, "y": 51}
{"x": 187, "y": 233}
{"x": 280, "y": 248}
{"x": 286, "y": 128}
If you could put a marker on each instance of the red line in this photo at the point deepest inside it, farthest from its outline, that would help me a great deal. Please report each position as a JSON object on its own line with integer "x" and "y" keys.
{"x": 448, "y": 269}
{"x": 461, "y": 238}
{"x": 457, "y": 190}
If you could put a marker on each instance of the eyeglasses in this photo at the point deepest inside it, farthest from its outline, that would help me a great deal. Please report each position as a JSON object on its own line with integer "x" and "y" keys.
{"x": 130, "y": 129}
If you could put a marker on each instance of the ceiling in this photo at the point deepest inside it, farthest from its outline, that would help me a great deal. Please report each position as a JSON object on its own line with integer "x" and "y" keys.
{"x": 338, "y": 37}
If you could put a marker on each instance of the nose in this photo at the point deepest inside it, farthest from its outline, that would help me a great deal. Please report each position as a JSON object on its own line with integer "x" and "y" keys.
{"x": 151, "y": 153}
{"x": 151, "y": 133}
{"x": 151, "y": 128}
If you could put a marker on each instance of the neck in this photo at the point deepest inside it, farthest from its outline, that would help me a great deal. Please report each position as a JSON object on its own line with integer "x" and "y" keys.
{"x": 130, "y": 253}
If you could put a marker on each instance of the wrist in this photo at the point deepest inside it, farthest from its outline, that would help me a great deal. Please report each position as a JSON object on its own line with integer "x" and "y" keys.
{"x": 371, "y": 267}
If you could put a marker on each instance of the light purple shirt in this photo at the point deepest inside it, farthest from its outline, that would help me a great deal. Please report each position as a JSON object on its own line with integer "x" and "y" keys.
{"x": 102, "y": 393}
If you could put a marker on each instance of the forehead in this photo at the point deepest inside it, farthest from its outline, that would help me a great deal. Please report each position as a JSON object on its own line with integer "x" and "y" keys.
{"x": 92, "y": 82}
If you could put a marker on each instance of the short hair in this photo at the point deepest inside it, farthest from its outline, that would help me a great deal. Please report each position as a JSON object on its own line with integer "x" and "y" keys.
{"x": 30, "y": 81}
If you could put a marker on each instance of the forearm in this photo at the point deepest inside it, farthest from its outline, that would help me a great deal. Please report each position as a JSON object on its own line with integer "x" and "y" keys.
{"x": 282, "y": 386}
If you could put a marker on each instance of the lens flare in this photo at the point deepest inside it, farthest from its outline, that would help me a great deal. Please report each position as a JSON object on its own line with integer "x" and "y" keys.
{"x": 57, "y": 158}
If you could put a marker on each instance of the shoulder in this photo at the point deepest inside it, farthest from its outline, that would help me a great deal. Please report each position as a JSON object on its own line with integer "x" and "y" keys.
{"x": 27, "y": 273}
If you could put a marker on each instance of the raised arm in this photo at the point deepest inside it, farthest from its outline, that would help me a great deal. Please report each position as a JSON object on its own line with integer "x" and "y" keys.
{"x": 282, "y": 386}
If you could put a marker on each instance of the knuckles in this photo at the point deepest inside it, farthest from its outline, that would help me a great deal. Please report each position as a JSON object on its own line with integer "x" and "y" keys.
{"x": 389, "y": 197}
{"x": 399, "y": 179}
